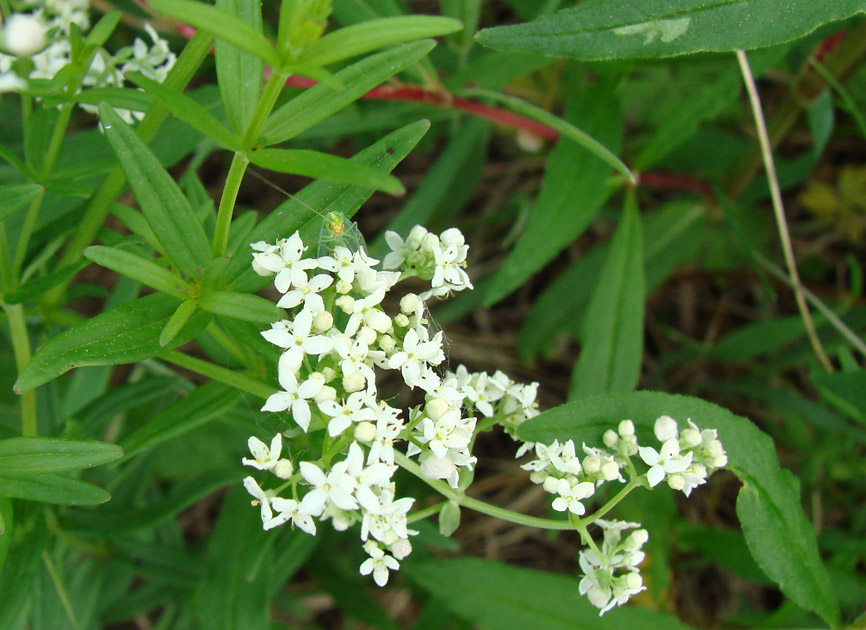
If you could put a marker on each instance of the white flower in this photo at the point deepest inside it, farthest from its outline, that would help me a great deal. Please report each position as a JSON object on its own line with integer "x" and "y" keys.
{"x": 290, "y": 509}
{"x": 665, "y": 462}
{"x": 365, "y": 311}
{"x": 295, "y": 338}
{"x": 261, "y": 498}
{"x": 379, "y": 563}
{"x": 286, "y": 261}
{"x": 446, "y": 433}
{"x": 343, "y": 414}
{"x": 342, "y": 262}
{"x": 416, "y": 354}
{"x": 294, "y": 397}
{"x": 335, "y": 487}
{"x": 570, "y": 496}
{"x": 565, "y": 461}
{"x": 265, "y": 458}
{"x": 307, "y": 291}
{"x": 433, "y": 467}
{"x": 23, "y": 34}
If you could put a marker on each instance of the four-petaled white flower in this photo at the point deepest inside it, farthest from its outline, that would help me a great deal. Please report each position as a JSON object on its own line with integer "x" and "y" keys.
{"x": 307, "y": 291}
{"x": 570, "y": 497}
{"x": 289, "y": 509}
{"x": 265, "y": 458}
{"x": 336, "y": 487}
{"x": 379, "y": 563}
{"x": 294, "y": 397}
{"x": 665, "y": 462}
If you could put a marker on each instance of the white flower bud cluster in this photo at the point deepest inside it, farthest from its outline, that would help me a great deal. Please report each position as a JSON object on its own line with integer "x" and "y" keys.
{"x": 610, "y": 574}
{"x": 337, "y": 335}
{"x": 41, "y": 32}
{"x": 439, "y": 259}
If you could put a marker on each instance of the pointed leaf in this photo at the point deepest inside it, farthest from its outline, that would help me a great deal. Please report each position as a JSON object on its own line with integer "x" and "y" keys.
{"x": 650, "y": 29}
{"x": 38, "y": 456}
{"x": 320, "y": 101}
{"x": 52, "y": 489}
{"x": 243, "y": 306}
{"x": 141, "y": 269}
{"x": 612, "y": 331}
{"x": 168, "y": 212}
{"x": 125, "y": 334}
{"x": 16, "y": 196}
{"x": 320, "y": 165}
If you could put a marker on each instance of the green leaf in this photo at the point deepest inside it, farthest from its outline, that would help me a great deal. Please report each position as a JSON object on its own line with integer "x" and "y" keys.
{"x": 611, "y": 346}
{"x": 117, "y": 97}
{"x": 495, "y": 596}
{"x": 168, "y": 212}
{"x": 243, "y": 306}
{"x": 320, "y": 165}
{"x": 846, "y": 391}
{"x": 141, "y": 269}
{"x": 188, "y": 111}
{"x": 566, "y": 203}
{"x": 125, "y": 334}
{"x": 38, "y": 456}
{"x": 777, "y": 532}
{"x": 35, "y": 288}
{"x": 304, "y": 210}
{"x": 121, "y": 522}
{"x": 208, "y": 402}
{"x": 374, "y": 35}
{"x": 223, "y": 25}
{"x": 17, "y": 578}
{"x": 177, "y": 321}
{"x": 16, "y": 196}
{"x": 52, "y": 489}
{"x": 7, "y": 529}
{"x": 565, "y": 128}
{"x": 103, "y": 29}
{"x": 320, "y": 101}
{"x": 620, "y": 29}
{"x": 239, "y": 73}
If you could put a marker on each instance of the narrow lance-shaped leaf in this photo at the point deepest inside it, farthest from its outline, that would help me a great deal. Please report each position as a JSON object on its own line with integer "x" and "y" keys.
{"x": 777, "y": 532}
{"x": 125, "y": 334}
{"x": 320, "y": 165}
{"x": 52, "y": 489}
{"x": 239, "y": 73}
{"x": 15, "y": 197}
{"x": 320, "y": 101}
{"x": 650, "y": 29}
{"x": 36, "y": 456}
{"x": 612, "y": 331}
{"x": 167, "y": 210}
{"x": 222, "y": 25}
{"x": 133, "y": 266}
{"x": 177, "y": 321}
{"x": 188, "y": 111}
{"x": 365, "y": 37}
{"x": 243, "y": 306}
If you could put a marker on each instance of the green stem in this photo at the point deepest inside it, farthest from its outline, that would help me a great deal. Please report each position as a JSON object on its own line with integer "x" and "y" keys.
{"x": 227, "y": 203}
{"x": 56, "y": 141}
{"x": 263, "y": 109}
{"x": 21, "y": 350}
{"x": 26, "y": 231}
{"x": 475, "y": 504}
{"x": 607, "y": 507}
{"x": 218, "y": 373}
{"x": 428, "y": 511}
{"x": 61, "y": 591}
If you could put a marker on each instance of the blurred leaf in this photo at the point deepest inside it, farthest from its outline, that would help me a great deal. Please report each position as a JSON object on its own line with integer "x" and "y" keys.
{"x": 7, "y": 529}
{"x": 122, "y": 521}
{"x": 103, "y": 29}
{"x": 239, "y": 73}
{"x": 188, "y": 111}
{"x": 846, "y": 391}
{"x": 206, "y": 403}
{"x": 242, "y": 306}
{"x": 125, "y": 334}
{"x": 37, "y": 456}
{"x": 572, "y": 191}
{"x": 222, "y": 24}
{"x": 612, "y": 328}
{"x": 724, "y": 547}
{"x": 320, "y": 101}
{"x": 759, "y": 337}
{"x": 304, "y": 211}
{"x": 777, "y": 532}
{"x": 16, "y": 196}
{"x": 51, "y": 489}
{"x": 495, "y": 596}
{"x": 141, "y": 269}
{"x": 373, "y": 35}
{"x": 124, "y": 398}
{"x": 620, "y": 29}
{"x": 325, "y": 166}
{"x": 17, "y": 577}
{"x": 168, "y": 212}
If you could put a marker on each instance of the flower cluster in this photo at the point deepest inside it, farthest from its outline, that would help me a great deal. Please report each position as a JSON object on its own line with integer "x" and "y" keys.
{"x": 337, "y": 337}
{"x": 35, "y": 45}
{"x": 610, "y": 574}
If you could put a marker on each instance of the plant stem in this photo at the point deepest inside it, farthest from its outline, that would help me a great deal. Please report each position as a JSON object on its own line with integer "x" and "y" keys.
{"x": 475, "y": 504}
{"x": 428, "y": 511}
{"x": 274, "y": 87}
{"x": 21, "y": 350}
{"x": 26, "y": 231}
{"x": 778, "y": 208}
{"x": 227, "y": 203}
{"x": 218, "y": 373}
{"x": 607, "y": 507}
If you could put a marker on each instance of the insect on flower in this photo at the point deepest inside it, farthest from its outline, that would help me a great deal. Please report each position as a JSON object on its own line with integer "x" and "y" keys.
{"x": 338, "y": 231}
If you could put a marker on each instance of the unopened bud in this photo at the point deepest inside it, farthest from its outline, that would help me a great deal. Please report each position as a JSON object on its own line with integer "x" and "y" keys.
{"x": 367, "y": 335}
{"x": 387, "y": 343}
{"x": 343, "y": 287}
{"x": 626, "y": 428}
{"x": 323, "y": 321}
{"x": 354, "y": 382}
{"x": 665, "y": 428}
{"x": 609, "y": 471}
{"x": 610, "y": 438}
{"x": 676, "y": 482}
{"x": 550, "y": 484}
{"x": 401, "y": 320}
{"x": 346, "y": 303}
{"x": 326, "y": 393}
{"x": 437, "y": 408}
{"x": 591, "y": 465}
{"x": 638, "y": 538}
{"x": 365, "y": 432}
{"x": 284, "y": 469}
{"x": 409, "y": 303}
{"x": 23, "y": 35}
{"x": 379, "y": 321}
{"x": 690, "y": 438}
{"x": 401, "y": 548}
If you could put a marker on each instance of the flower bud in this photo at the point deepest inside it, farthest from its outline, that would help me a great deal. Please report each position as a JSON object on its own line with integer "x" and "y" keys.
{"x": 638, "y": 538}
{"x": 665, "y": 428}
{"x": 598, "y": 597}
{"x": 715, "y": 449}
{"x": 610, "y": 438}
{"x": 437, "y": 467}
{"x": 609, "y": 471}
{"x": 430, "y": 242}
{"x": 346, "y": 303}
{"x": 326, "y": 393}
{"x": 354, "y": 382}
{"x": 343, "y": 287}
{"x": 633, "y": 581}
{"x": 387, "y": 343}
{"x": 437, "y": 408}
{"x": 626, "y": 428}
{"x": 401, "y": 320}
{"x": 690, "y": 438}
{"x": 538, "y": 476}
{"x": 591, "y": 465}
{"x": 409, "y": 303}
{"x": 365, "y": 432}
{"x": 550, "y": 484}
{"x": 323, "y": 321}
{"x": 23, "y": 35}
{"x": 401, "y": 548}
{"x": 367, "y": 335}
{"x": 379, "y": 321}
{"x": 676, "y": 482}
{"x": 284, "y": 469}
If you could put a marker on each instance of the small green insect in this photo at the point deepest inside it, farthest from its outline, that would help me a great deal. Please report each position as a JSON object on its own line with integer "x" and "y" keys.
{"x": 338, "y": 231}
